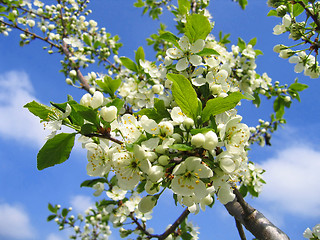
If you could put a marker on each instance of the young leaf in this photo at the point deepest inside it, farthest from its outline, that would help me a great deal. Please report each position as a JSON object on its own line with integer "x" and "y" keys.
{"x": 298, "y": 87}
{"x": 253, "y": 42}
{"x": 39, "y": 110}
{"x": 243, "y": 4}
{"x": 128, "y": 63}
{"x": 181, "y": 147}
{"x": 219, "y": 105}
{"x": 184, "y": 6}
{"x": 197, "y": 27}
{"x": 184, "y": 94}
{"x": 56, "y": 150}
{"x": 91, "y": 182}
{"x": 241, "y": 43}
{"x": 139, "y": 55}
{"x": 207, "y": 52}
{"x": 170, "y": 37}
{"x": 87, "y": 113}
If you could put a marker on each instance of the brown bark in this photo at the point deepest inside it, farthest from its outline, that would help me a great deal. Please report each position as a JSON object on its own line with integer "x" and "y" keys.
{"x": 255, "y": 222}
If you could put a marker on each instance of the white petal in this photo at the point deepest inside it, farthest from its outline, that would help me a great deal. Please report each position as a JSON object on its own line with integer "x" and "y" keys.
{"x": 200, "y": 189}
{"x": 174, "y": 53}
{"x": 195, "y": 60}
{"x": 199, "y": 81}
{"x": 182, "y": 64}
{"x": 197, "y": 46}
{"x": 225, "y": 195}
{"x": 184, "y": 43}
{"x": 149, "y": 125}
{"x": 181, "y": 186}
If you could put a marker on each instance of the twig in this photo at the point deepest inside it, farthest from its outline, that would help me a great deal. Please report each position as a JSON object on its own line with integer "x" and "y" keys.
{"x": 240, "y": 230}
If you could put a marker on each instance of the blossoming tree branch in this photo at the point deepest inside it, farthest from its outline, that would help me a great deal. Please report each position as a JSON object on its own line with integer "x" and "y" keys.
{"x": 169, "y": 125}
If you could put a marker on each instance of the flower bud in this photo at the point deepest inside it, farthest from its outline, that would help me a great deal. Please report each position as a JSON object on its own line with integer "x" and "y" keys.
{"x": 147, "y": 204}
{"x": 198, "y": 140}
{"x": 97, "y": 100}
{"x": 109, "y": 113}
{"x": 85, "y": 100}
{"x": 188, "y": 123}
{"x": 281, "y": 10}
{"x": 211, "y": 140}
{"x": 69, "y": 81}
{"x": 287, "y": 99}
{"x": 156, "y": 173}
{"x": 163, "y": 160}
{"x": 73, "y": 73}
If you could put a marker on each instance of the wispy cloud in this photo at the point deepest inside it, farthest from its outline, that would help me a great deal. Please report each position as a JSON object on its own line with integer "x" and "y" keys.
{"x": 293, "y": 182}
{"x": 17, "y": 122}
{"x": 15, "y": 223}
{"x": 81, "y": 203}
{"x": 54, "y": 236}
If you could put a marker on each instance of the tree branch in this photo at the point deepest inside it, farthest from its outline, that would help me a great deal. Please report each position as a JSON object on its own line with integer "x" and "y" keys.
{"x": 255, "y": 222}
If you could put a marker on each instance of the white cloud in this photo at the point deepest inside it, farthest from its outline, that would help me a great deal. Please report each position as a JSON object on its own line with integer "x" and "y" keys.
{"x": 15, "y": 223}
{"x": 293, "y": 182}
{"x": 81, "y": 203}
{"x": 17, "y": 122}
{"x": 53, "y": 236}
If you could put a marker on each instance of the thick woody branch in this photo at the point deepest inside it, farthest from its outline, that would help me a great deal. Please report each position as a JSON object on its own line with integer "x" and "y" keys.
{"x": 255, "y": 222}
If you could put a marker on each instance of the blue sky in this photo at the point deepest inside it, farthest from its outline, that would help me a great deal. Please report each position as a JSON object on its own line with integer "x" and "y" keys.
{"x": 291, "y": 199}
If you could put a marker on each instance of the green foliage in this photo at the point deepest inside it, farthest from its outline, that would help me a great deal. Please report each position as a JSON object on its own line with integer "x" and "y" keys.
{"x": 219, "y": 105}
{"x": 184, "y": 95}
{"x": 197, "y": 27}
{"x": 56, "y": 150}
{"x": 40, "y": 110}
{"x": 109, "y": 85}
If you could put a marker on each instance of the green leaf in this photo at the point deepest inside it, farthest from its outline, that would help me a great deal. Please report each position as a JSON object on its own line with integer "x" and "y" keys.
{"x": 140, "y": 188}
{"x": 297, "y": 9}
{"x": 181, "y": 147}
{"x": 207, "y": 52}
{"x": 109, "y": 85}
{"x": 161, "y": 108}
{"x": 56, "y": 150}
{"x": 184, "y": 6}
{"x": 118, "y": 103}
{"x": 243, "y": 3}
{"x": 241, "y": 43}
{"x": 272, "y": 12}
{"x": 219, "y": 105}
{"x": 200, "y": 130}
{"x": 64, "y": 212}
{"x": 157, "y": 113}
{"x": 253, "y": 42}
{"x": 197, "y": 27}
{"x": 87, "y": 113}
{"x": 86, "y": 39}
{"x": 91, "y": 182}
{"x": 243, "y": 190}
{"x": 88, "y": 128}
{"x": 184, "y": 94}
{"x": 298, "y": 87}
{"x": 258, "y": 52}
{"x": 128, "y": 63}
{"x": 248, "y": 96}
{"x": 139, "y": 4}
{"x": 51, "y": 217}
{"x": 39, "y": 110}
{"x": 52, "y": 208}
{"x": 186, "y": 236}
{"x": 170, "y": 37}
{"x": 139, "y": 55}
{"x": 257, "y": 99}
